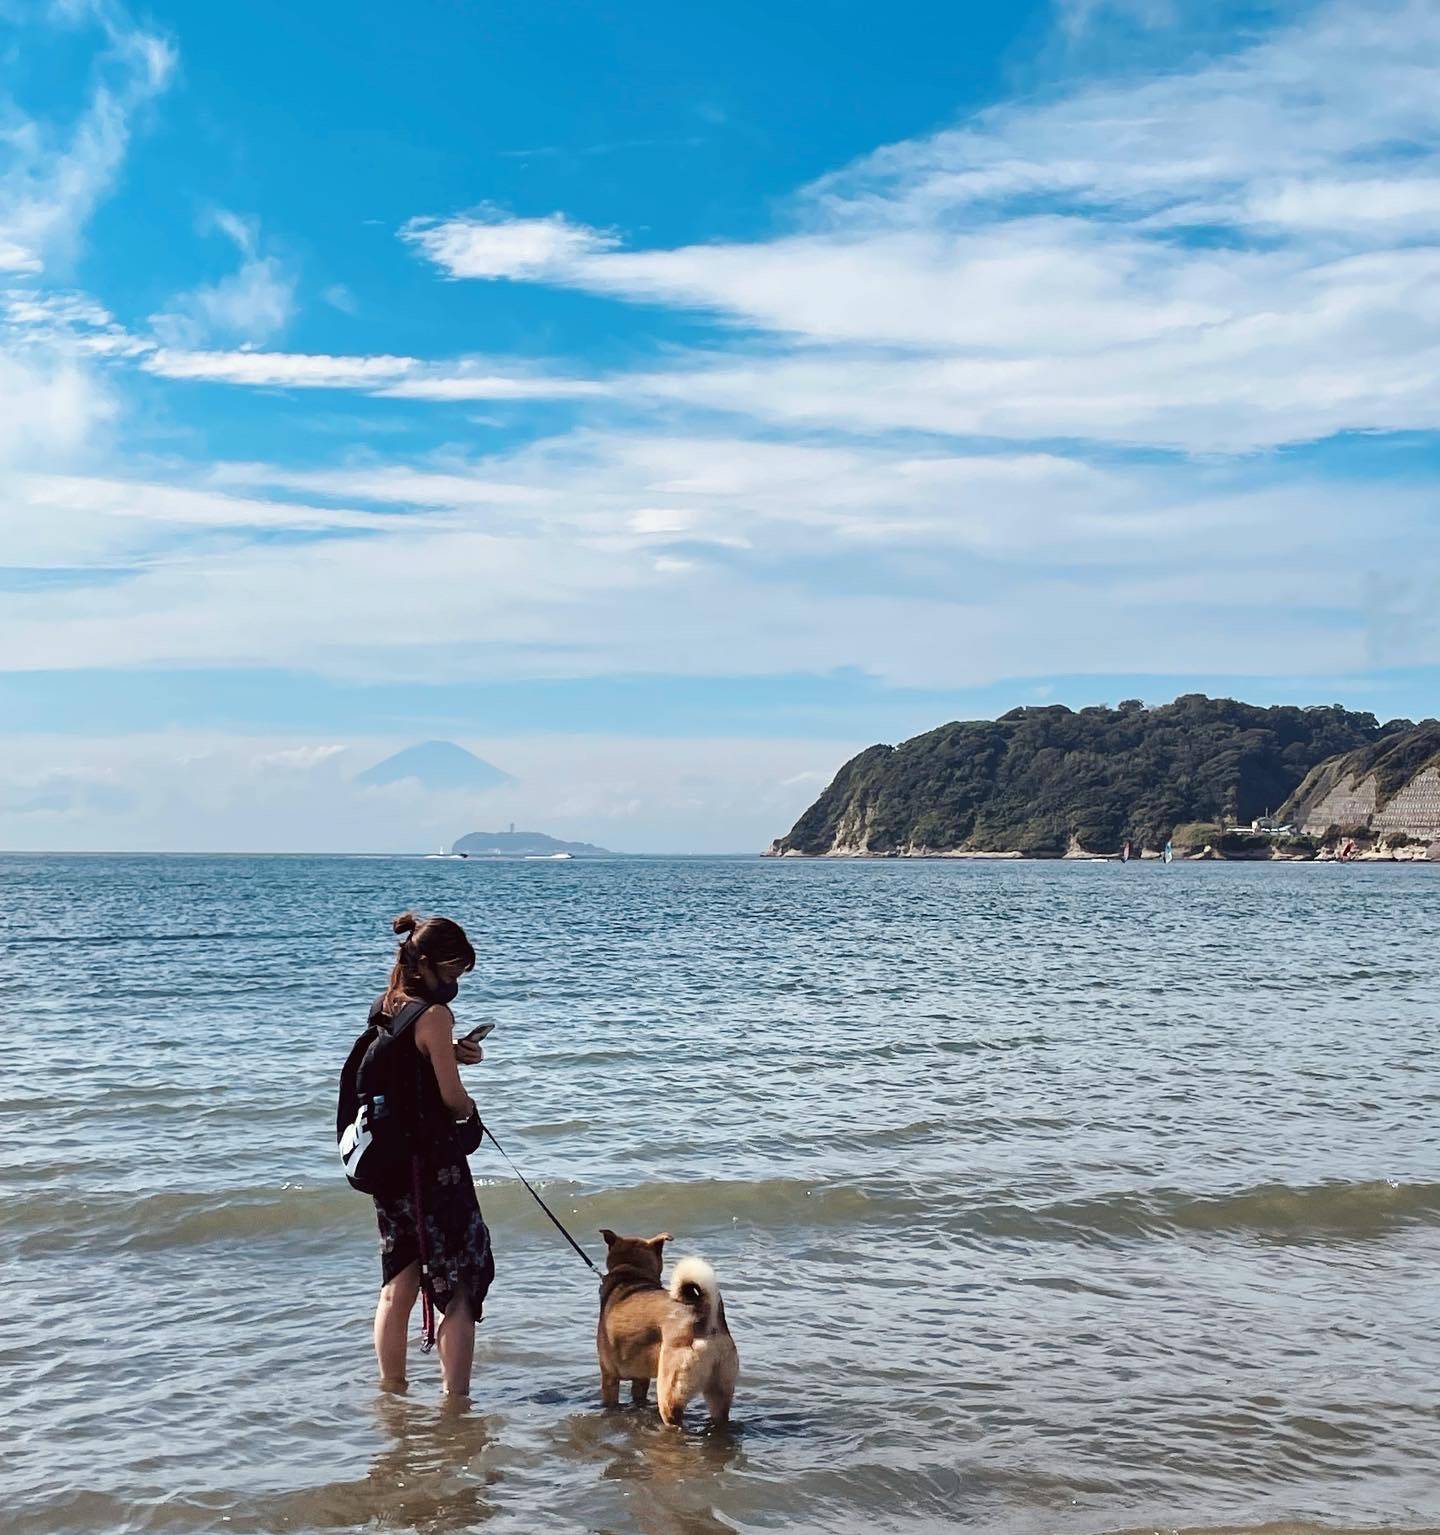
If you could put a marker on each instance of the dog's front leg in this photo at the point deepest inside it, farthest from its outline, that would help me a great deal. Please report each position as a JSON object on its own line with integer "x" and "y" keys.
{"x": 609, "y": 1389}
{"x": 639, "y": 1391}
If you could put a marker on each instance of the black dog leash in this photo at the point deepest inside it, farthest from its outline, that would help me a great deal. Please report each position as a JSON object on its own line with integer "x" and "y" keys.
{"x": 555, "y": 1219}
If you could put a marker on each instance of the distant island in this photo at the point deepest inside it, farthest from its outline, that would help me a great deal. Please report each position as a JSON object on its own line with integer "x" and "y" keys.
{"x": 1212, "y": 776}
{"x": 524, "y": 844}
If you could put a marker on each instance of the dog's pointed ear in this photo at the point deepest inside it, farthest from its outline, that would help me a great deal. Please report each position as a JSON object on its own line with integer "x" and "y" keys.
{"x": 610, "y": 1238}
{"x": 660, "y": 1241}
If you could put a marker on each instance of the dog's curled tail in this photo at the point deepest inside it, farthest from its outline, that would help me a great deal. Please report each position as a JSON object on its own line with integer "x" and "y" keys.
{"x": 693, "y": 1284}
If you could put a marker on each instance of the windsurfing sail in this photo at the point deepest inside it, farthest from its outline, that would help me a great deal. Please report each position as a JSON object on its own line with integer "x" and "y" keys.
{"x": 1169, "y": 852}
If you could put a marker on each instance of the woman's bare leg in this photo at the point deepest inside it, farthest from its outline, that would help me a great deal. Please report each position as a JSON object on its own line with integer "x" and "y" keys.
{"x": 392, "y": 1324}
{"x": 455, "y": 1339}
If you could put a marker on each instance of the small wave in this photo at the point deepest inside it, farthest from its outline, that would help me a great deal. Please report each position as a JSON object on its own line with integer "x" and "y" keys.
{"x": 44, "y": 1221}
{"x": 105, "y": 940}
{"x": 1321, "y": 1211}
{"x": 707, "y": 1203}
{"x": 149, "y": 1222}
{"x": 1285, "y": 1527}
{"x": 47, "y": 1223}
{"x": 552, "y": 1129}
{"x": 1281, "y": 1212}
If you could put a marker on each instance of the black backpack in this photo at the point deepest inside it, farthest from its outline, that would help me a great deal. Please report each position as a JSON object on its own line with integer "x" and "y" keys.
{"x": 378, "y": 1113}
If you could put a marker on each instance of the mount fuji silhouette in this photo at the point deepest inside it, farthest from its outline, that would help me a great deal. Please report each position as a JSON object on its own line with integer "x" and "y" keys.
{"x": 436, "y": 765}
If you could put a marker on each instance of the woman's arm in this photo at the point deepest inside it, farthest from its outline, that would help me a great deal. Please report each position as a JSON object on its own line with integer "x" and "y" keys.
{"x": 434, "y": 1041}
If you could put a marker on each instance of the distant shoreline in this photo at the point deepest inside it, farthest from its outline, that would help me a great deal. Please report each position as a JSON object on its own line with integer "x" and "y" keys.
{"x": 418, "y": 857}
{"x": 742, "y": 857}
{"x": 1402, "y": 855}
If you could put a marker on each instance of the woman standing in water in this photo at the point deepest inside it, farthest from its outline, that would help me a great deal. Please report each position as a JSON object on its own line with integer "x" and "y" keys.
{"x": 452, "y": 1236}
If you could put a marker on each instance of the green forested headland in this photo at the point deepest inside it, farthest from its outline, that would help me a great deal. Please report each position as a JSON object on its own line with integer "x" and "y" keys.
{"x": 1039, "y": 780}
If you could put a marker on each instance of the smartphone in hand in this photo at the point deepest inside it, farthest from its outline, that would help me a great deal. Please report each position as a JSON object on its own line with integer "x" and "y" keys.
{"x": 479, "y": 1032}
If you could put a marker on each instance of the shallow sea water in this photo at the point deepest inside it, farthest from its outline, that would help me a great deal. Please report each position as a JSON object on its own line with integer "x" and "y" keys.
{"x": 1074, "y": 1198}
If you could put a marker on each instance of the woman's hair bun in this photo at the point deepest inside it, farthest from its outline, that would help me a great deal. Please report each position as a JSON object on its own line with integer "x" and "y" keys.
{"x": 406, "y": 923}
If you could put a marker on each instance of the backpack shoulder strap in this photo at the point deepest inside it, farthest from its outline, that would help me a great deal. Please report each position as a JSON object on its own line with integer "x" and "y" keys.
{"x": 406, "y": 1018}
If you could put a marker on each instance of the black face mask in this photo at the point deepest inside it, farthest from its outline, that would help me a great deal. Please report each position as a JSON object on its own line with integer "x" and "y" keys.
{"x": 443, "y": 991}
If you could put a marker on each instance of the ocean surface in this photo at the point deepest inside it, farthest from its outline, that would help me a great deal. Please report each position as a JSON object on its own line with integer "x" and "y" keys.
{"x": 1071, "y": 1198}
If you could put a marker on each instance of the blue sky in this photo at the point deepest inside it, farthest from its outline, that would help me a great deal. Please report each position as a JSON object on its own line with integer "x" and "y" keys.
{"x": 666, "y": 402}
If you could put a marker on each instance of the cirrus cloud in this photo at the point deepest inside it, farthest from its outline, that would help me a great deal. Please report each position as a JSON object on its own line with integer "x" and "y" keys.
{"x": 52, "y": 177}
{"x": 1238, "y": 255}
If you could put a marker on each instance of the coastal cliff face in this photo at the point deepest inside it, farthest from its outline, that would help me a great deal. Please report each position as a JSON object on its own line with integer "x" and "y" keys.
{"x": 1386, "y": 790}
{"x": 1039, "y": 782}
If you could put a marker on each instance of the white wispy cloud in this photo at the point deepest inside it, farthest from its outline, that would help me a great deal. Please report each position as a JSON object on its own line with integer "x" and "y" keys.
{"x": 406, "y": 378}
{"x": 642, "y": 489}
{"x": 1078, "y": 16}
{"x": 1221, "y": 259}
{"x": 289, "y": 370}
{"x": 301, "y": 759}
{"x": 50, "y": 407}
{"x": 55, "y": 402}
{"x": 251, "y": 304}
{"x": 64, "y": 795}
{"x": 65, "y": 321}
{"x": 80, "y": 522}
{"x": 52, "y": 176}
{"x": 1236, "y": 255}
{"x": 453, "y": 384}
{"x": 71, "y": 324}
{"x": 601, "y": 553}
{"x": 488, "y": 244}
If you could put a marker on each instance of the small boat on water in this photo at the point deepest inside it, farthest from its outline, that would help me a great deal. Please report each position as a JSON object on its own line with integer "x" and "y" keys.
{"x": 443, "y": 854}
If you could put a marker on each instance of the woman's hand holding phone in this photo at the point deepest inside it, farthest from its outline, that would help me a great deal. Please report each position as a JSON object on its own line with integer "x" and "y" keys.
{"x": 467, "y": 1048}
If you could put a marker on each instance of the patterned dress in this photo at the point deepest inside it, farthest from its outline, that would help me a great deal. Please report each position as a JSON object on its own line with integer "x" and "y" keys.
{"x": 457, "y": 1239}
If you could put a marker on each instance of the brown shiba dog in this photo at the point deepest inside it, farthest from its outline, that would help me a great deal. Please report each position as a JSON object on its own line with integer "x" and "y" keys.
{"x": 677, "y": 1337}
